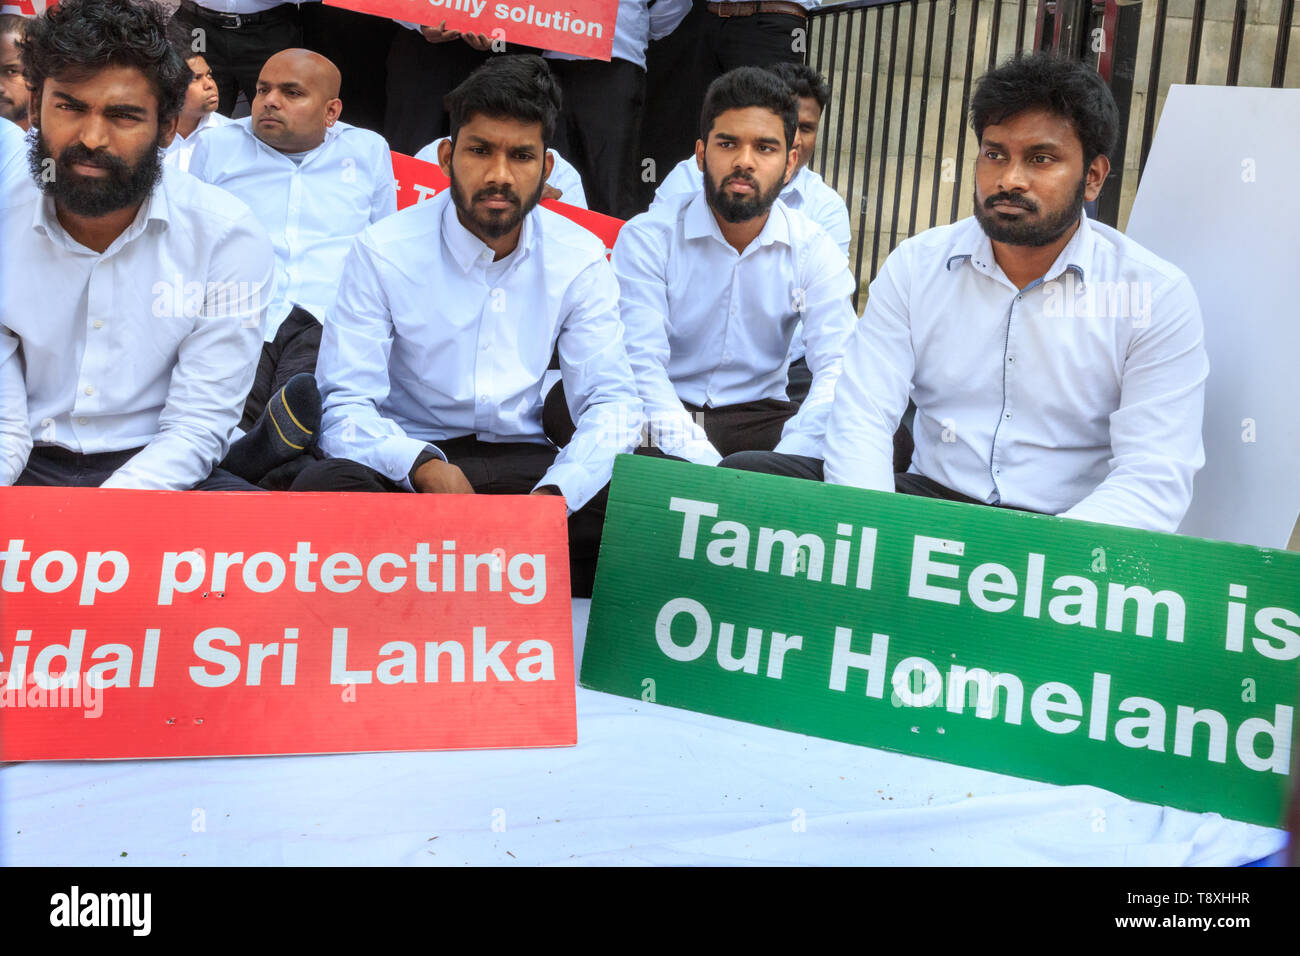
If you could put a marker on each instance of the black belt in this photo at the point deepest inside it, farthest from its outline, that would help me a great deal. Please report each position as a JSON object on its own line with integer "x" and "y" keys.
{"x": 234, "y": 21}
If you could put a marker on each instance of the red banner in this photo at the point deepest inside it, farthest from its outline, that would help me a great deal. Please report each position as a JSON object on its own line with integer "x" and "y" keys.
{"x": 418, "y": 181}
{"x": 584, "y": 27}
{"x": 178, "y": 624}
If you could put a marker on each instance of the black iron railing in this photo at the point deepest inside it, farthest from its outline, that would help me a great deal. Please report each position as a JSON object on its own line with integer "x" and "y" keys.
{"x": 894, "y": 139}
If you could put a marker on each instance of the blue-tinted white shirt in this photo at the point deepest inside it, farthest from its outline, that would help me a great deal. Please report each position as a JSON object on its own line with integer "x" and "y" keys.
{"x": 430, "y": 339}
{"x": 311, "y": 210}
{"x": 712, "y": 327}
{"x": 181, "y": 149}
{"x": 152, "y": 342}
{"x": 1081, "y": 394}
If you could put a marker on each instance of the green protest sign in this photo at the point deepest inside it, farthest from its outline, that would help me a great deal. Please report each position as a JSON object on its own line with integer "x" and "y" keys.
{"x": 1160, "y": 667}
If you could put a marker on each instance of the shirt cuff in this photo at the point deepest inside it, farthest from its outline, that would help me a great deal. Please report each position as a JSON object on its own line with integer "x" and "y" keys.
{"x": 575, "y": 483}
{"x": 396, "y": 456}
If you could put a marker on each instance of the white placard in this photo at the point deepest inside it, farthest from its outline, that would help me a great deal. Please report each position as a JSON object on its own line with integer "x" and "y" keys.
{"x": 1220, "y": 199}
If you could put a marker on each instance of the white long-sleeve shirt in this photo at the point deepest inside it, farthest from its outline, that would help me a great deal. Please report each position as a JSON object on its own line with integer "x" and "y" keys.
{"x": 430, "y": 339}
{"x": 1080, "y": 394}
{"x": 311, "y": 210}
{"x": 563, "y": 175}
{"x": 181, "y": 149}
{"x": 152, "y": 342}
{"x": 712, "y": 327}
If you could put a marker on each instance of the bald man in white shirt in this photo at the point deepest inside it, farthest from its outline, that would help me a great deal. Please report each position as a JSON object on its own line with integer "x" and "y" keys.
{"x": 434, "y": 355}
{"x": 314, "y": 182}
{"x": 130, "y": 342}
{"x": 1056, "y": 365}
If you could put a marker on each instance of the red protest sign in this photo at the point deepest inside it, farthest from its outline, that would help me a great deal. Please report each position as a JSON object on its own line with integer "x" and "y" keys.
{"x": 177, "y": 624}
{"x": 417, "y": 181}
{"x": 584, "y": 27}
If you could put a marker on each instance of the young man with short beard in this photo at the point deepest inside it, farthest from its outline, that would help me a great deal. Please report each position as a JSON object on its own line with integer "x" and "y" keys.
{"x": 127, "y": 348}
{"x": 1056, "y": 365}
{"x": 15, "y": 98}
{"x": 433, "y": 357}
{"x": 714, "y": 283}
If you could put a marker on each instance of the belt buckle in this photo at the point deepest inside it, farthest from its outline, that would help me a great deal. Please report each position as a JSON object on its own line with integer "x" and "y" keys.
{"x": 227, "y": 25}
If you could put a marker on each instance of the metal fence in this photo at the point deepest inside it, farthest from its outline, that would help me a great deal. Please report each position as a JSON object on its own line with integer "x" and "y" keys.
{"x": 895, "y": 141}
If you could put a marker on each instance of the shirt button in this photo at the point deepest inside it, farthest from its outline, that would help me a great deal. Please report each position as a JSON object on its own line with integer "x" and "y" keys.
{"x": 483, "y": 399}
{"x": 90, "y": 390}
{"x": 997, "y": 471}
{"x": 1011, "y": 359}
{"x": 1007, "y": 416}
{"x": 81, "y": 421}
{"x": 99, "y": 323}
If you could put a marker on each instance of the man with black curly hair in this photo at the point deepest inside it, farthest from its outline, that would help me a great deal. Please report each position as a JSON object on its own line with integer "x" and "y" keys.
{"x": 128, "y": 346}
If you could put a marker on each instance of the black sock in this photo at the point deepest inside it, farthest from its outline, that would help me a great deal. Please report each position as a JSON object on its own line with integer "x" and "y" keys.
{"x": 286, "y": 429}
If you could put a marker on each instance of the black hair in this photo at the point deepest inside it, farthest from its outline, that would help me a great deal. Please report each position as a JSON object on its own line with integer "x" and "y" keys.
{"x": 749, "y": 86}
{"x": 1048, "y": 81}
{"x": 13, "y": 23}
{"x": 804, "y": 80}
{"x": 80, "y": 37}
{"x": 514, "y": 87}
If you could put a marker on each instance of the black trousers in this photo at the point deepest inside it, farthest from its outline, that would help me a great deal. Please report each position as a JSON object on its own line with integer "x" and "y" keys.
{"x": 811, "y": 469}
{"x": 599, "y": 130}
{"x": 292, "y": 351}
{"x": 731, "y": 428}
{"x": 683, "y": 64}
{"x": 420, "y": 74}
{"x": 236, "y": 54}
{"x": 54, "y": 466}
{"x": 357, "y": 43}
{"x": 492, "y": 468}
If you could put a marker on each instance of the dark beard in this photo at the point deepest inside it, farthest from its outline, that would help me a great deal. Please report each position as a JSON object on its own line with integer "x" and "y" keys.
{"x": 493, "y": 227}
{"x": 123, "y": 187}
{"x": 1018, "y": 232}
{"x": 735, "y": 209}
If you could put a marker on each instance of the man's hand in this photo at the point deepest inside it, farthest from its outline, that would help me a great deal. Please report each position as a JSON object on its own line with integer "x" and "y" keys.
{"x": 479, "y": 41}
{"x": 550, "y": 192}
{"x": 438, "y": 477}
{"x": 440, "y": 33}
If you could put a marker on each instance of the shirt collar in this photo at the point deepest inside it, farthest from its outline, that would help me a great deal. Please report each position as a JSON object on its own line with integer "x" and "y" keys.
{"x": 700, "y": 222}
{"x": 468, "y": 249}
{"x": 331, "y": 134}
{"x": 975, "y": 247}
{"x": 155, "y": 208}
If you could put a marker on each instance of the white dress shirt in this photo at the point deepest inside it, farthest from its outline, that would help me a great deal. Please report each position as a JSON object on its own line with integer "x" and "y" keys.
{"x": 13, "y": 155}
{"x": 430, "y": 339}
{"x": 563, "y": 176}
{"x": 636, "y": 26}
{"x": 712, "y": 327}
{"x": 181, "y": 149}
{"x": 152, "y": 342}
{"x": 311, "y": 210}
{"x": 1080, "y": 394}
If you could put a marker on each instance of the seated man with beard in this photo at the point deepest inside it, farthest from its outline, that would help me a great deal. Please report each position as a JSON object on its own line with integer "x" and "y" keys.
{"x": 713, "y": 284}
{"x": 434, "y": 353}
{"x": 130, "y": 336}
{"x": 1056, "y": 365}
